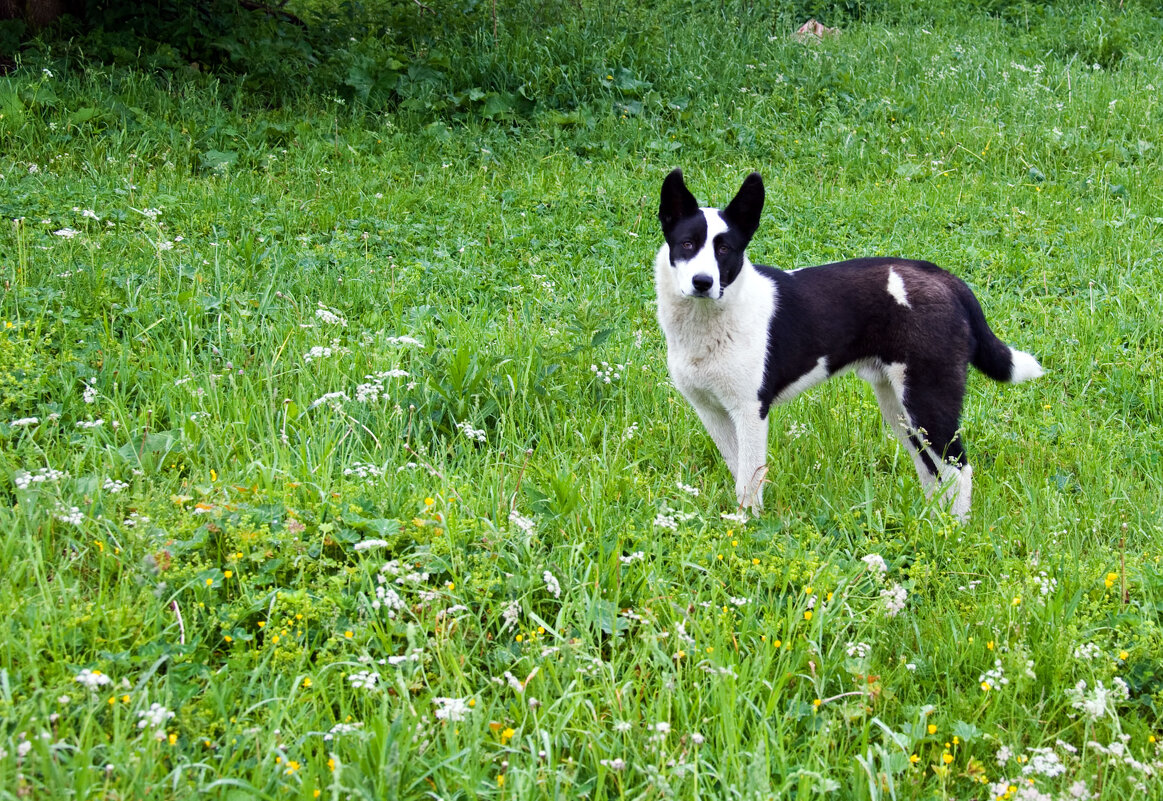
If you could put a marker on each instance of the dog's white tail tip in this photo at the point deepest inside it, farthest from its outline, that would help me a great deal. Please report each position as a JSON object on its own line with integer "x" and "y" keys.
{"x": 1024, "y": 367}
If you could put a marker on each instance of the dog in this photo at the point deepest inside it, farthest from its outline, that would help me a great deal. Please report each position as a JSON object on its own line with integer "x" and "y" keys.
{"x": 742, "y": 337}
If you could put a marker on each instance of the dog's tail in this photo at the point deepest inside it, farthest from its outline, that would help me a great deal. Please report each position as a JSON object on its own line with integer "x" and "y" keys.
{"x": 990, "y": 355}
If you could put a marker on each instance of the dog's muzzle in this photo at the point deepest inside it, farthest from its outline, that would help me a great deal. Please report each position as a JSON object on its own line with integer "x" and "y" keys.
{"x": 702, "y": 284}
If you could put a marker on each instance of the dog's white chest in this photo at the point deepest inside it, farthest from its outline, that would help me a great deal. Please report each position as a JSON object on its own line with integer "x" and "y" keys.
{"x": 717, "y": 349}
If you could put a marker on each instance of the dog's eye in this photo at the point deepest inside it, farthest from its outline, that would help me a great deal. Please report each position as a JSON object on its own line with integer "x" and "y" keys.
{"x": 688, "y": 245}
{"x": 723, "y": 250}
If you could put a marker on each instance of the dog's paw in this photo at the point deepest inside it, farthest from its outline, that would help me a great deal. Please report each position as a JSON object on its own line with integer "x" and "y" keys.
{"x": 750, "y": 497}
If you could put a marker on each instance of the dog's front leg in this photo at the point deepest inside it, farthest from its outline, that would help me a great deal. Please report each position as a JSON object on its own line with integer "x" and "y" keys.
{"x": 722, "y": 430}
{"x": 751, "y": 435}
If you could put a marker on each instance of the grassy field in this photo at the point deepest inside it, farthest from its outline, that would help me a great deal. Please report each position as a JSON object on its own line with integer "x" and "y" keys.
{"x": 339, "y": 459}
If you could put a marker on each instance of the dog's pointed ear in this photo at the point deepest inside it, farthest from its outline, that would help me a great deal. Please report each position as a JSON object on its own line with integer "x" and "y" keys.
{"x": 677, "y": 201}
{"x": 746, "y": 208}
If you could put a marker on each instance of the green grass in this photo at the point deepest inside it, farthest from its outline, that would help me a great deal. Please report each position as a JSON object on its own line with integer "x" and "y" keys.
{"x": 606, "y": 632}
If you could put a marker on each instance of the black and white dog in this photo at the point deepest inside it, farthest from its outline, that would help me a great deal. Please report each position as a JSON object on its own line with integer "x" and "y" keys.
{"x": 741, "y": 337}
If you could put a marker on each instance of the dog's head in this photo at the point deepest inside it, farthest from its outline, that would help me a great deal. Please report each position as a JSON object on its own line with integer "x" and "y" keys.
{"x": 706, "y": 245}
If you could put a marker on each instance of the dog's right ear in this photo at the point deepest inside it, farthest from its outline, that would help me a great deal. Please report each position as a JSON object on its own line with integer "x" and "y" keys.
{"x": 677, "y": 201}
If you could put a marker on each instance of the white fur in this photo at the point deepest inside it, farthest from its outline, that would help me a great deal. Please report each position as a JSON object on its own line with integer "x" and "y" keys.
{"x": 1025, "y": 367}
{"x": 817, "y": 375}
{"x": 896, "y": 288}
{"x": 716, "y": 350}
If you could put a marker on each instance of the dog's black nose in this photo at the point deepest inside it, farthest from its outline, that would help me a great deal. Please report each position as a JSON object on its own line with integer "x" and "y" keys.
{"x": 702, "y": 283}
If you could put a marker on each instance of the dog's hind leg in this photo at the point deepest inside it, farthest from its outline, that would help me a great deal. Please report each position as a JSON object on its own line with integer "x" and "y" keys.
{"x": 928, "y": 430}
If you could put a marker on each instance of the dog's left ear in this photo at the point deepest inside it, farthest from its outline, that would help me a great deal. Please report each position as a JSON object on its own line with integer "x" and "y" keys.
{"x": 745, "y": 209}
{"x": 676, "y": 202}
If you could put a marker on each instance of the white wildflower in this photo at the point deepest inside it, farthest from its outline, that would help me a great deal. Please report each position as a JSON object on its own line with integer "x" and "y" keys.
{"x": 474, "y": 434}
{"x": 858, "y": 650}
{"x": 1087, "y": 651}
{"x": 330, "y": 317}
{"x": 443, "y": 613}
{"x": 363, "y": 470}
{"x": 325, "y": 352}
{"x": 1046, "y": 584}
{"x": 515, "y": 684}
{"x": 1043, "y": 762}
{"x": 662, "y": 520}
{"x": 414, "y": 656}
{"x": 42, "y": 475}
{"x": 92, "y": 679}
{"x": 894, "y": 599}
{"x": 389, "y": 599}
{"x": 69, "y": 514}
{"x": 607, "y": 373}
{"x": 1004, "y": 755}
{"x": 523, "y": 523}
{"x": 688, "y": 489}
{"x": 340, "y": 729}
{"x": 332, "y": 399}
{"x": 1101, "y": 700}
{"x": 875, "y": 563}
{"x": 994, "y": 678}
{"x": 451, "y": 709}
{"x": 154, "y": 717}
{"x": 367, "y": 545}
{"x": 364, "y": 680}
{"x": 1078, "y": 790}
{"x": 67, "y": 233}
{"x": 551, "y": 584}
{"x": 21, "y": 422}
{"x": 369, "y": 392}
{"x": 511, "y": 614}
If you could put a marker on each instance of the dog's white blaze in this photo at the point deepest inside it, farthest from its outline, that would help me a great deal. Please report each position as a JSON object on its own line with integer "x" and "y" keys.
{"x": 703, "y": 262}
{"x": 1024, "y": 367}
{"x": 896, "y": 288}
{"x": 817, "y": 375}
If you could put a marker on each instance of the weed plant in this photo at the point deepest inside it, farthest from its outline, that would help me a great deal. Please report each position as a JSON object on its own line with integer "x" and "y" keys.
{"x": 339, "y": 458}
